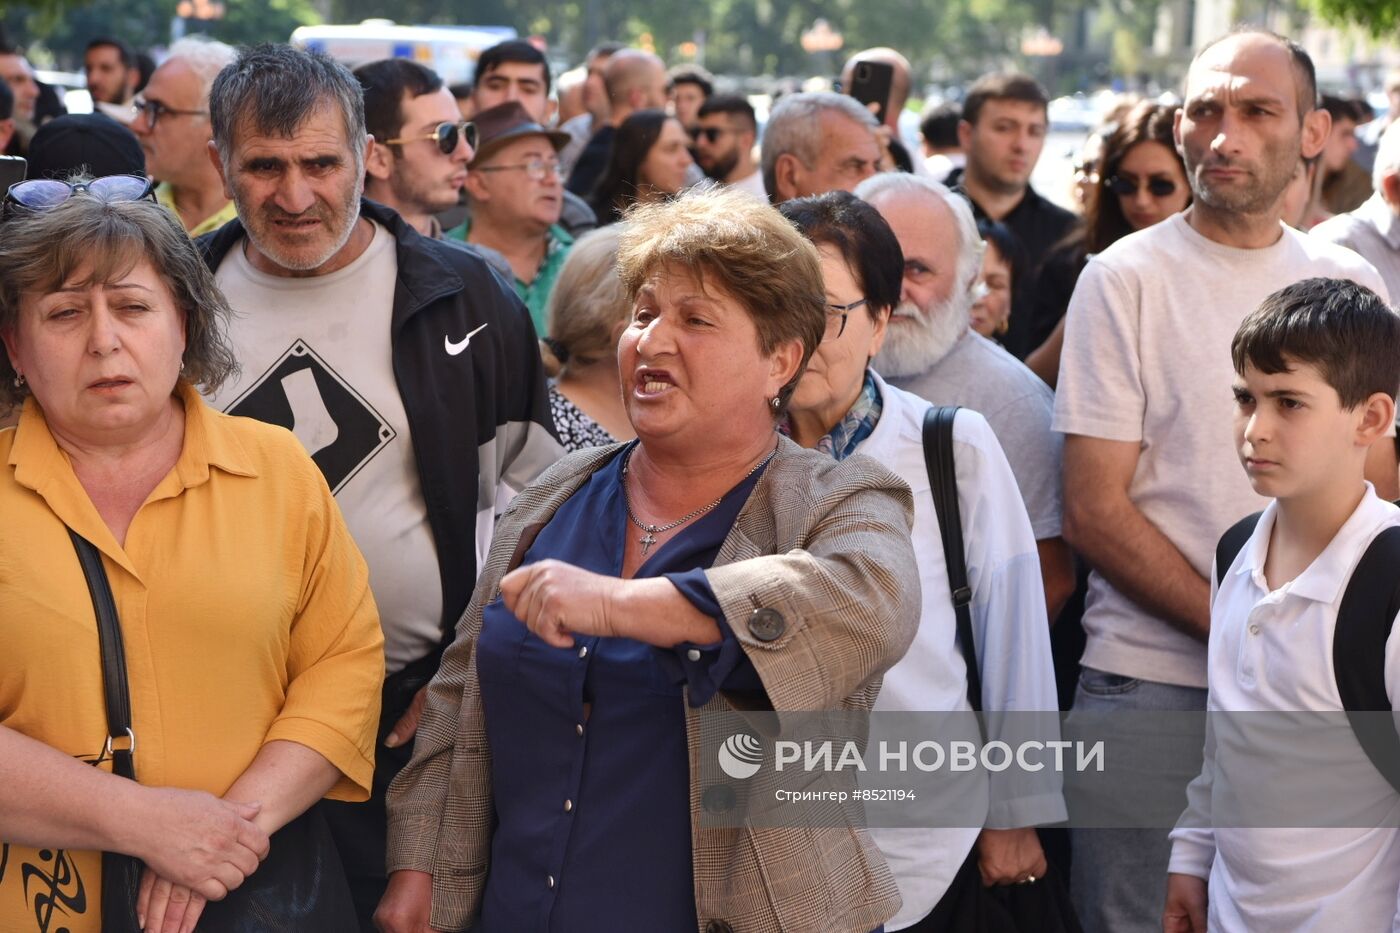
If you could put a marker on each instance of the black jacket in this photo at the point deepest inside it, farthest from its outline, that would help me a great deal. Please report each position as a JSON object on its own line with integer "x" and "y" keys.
{"x": 476, "y": 418}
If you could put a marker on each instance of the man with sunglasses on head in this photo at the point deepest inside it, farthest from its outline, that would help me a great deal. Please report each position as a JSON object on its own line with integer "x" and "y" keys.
{"x": 419, "y": 161}
{"x": 724, "y": 143}
{"x": 516, "y": 197}
{"x": 407, "y": 368}
{"x": 172, "y": 125}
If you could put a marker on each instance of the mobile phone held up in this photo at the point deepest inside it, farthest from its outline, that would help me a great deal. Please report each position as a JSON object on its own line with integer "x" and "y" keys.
{"x": 12, "y": 172}
{"x": 870, "y": 84}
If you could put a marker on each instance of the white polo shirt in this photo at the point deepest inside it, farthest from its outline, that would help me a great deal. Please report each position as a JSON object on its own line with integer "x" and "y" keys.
{"x": 1272, "y": 651}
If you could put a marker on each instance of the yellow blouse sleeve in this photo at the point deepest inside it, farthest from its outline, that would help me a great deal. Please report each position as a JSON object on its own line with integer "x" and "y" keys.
{"x": 335, "y": 657}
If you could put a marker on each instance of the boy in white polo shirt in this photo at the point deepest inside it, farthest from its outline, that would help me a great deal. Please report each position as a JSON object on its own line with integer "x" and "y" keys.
{"x": 1317, "y": 366}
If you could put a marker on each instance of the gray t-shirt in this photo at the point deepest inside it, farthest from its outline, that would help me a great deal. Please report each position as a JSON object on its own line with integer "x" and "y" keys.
{"x": 1147, "y": 360}
{"x": 979, "y": 374}
{"x": 319, "y": 346}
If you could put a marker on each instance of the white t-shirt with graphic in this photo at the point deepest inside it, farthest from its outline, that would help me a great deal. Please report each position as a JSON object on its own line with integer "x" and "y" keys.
{"x": 316, "y": 357}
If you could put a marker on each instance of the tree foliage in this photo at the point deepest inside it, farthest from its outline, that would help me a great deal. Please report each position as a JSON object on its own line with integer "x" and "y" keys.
{"x": 1378, "y": 17}
{"x": 64, "y": 27}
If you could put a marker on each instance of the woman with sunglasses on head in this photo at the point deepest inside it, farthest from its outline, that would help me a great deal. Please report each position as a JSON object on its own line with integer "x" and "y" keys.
{"x": 650, "y": 160}
{"x": 251, "y": 655}
{"x": 843, "y": 407}
{"x": 1142, "y": 181}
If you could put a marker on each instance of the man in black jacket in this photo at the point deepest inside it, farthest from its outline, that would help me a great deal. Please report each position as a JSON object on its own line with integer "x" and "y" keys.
{"x": 407, "y": 368}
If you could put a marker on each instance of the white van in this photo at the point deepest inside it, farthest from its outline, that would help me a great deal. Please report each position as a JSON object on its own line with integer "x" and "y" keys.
{"x": 451, "y": 51}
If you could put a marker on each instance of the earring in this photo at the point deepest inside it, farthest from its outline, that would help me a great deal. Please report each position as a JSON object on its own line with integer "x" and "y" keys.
{"x": 777, "y": 402}
{"x": 19, "y": 380}
{"x": 182, "y": 366}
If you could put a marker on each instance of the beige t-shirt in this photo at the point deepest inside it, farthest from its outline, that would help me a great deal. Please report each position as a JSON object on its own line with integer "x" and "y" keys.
{"x": 316, "y": 358}
{"x": 1147, "y": 358}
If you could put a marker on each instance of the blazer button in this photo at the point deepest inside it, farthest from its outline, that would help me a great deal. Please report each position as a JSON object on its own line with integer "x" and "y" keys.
{"x": 718, "y": 926}
{"x": 767, "y": 624}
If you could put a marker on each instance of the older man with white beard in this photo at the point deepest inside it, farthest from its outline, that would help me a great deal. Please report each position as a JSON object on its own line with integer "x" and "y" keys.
{"x": 931, "y": 350}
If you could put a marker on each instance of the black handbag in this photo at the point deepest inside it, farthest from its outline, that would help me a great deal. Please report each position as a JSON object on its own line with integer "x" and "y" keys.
{"x": 300, "y": 886}
{"x": 1040, "y": 906}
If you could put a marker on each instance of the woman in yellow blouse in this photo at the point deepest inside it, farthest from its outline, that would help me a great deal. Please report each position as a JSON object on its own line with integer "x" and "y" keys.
{"x": 253, "y": 649}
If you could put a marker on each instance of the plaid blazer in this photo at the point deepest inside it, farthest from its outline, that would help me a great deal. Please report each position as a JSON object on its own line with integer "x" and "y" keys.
{"x": 823, "y": 543}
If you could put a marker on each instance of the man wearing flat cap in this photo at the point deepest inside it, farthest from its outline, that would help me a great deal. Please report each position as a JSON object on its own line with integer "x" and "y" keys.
{"x": 516, "y": 196}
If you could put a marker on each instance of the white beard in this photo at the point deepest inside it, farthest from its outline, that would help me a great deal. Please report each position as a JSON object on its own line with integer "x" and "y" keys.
{"x": 917, "y": 339}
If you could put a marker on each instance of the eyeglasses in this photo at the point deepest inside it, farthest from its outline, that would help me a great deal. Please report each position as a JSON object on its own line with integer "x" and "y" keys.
{"x": 711, "y": 133}
{"x": 154, "y": 110}
{"x": 445, "y": 135}
{"x": 1157, "y": 186}
{"x": 44, "y": 194}
{"x": 535, "y": 169}
{"x": 836, "y": 318}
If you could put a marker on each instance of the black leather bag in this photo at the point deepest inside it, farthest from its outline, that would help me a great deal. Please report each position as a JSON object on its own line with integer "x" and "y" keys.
{"x": 1040, "y": 906}
{"x": 300, "y": 886}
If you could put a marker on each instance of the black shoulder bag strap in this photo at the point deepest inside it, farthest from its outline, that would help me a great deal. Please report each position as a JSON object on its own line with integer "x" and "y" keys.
{"x": 1369, "y": 607}
{"x": 943, "y": 482}
{"x": 121, "y": 874}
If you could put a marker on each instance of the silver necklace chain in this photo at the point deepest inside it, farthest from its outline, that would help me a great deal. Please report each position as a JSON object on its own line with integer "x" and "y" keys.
{"x": 649, "y": 538}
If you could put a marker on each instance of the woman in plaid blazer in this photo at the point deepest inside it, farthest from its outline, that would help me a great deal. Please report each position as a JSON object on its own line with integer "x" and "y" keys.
{"x": 634, "y": 593}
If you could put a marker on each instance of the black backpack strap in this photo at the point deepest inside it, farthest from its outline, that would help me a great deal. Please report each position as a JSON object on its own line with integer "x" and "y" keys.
{"x": 1369, "y": 607}
{"x": 1230, "y": 543}
{"x": 943, "y": 482}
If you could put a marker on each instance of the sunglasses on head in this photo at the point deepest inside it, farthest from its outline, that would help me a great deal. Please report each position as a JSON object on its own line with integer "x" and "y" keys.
{"x": 1157, "y": 186}
{"x": 711, "y": 133}
{"x": 445, "y": 135}
{"x": 44, "y": 194}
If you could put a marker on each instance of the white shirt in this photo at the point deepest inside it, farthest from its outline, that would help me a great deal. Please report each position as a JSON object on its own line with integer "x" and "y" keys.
{"x": 319, "y": 347}
{"x": 1272, "y": 651}
{"x": 1008, "y": 623}
{"x": 1147, "y": 360}
{"x": 753, "y": 184}
{"x": 1373, "y": 230}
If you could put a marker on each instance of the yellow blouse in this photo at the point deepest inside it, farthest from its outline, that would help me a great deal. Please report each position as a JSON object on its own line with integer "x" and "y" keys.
{"x": 245, "y": 611}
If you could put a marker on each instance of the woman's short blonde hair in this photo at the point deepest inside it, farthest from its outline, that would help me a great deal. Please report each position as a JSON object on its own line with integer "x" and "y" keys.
{"x": 587, "y": 304}
{"x": 732, "y": 241}
{"x": 41, "y": 251}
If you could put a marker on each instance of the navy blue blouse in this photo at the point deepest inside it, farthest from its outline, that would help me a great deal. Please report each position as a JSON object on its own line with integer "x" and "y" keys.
{"x": 589, "y": 762}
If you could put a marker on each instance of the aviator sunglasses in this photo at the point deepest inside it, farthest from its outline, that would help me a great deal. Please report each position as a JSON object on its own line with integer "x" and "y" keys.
{"x": 44, "y": 194}
{"x": 1157, "y": 186}
{"x": 445, "y": 134}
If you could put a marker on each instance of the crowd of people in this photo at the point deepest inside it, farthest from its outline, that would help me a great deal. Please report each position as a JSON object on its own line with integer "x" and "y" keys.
{"x": 348, "y": 408}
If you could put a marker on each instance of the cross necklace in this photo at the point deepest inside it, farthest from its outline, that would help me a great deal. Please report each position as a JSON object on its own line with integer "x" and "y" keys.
{"x": 648, "y": 539}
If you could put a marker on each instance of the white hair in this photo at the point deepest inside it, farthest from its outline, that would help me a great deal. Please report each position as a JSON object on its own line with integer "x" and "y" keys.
{"x": 795, "y": 126}
{"x": 970, "y": 246}
{"x": 206, "y": 58}
{"x": 1387, "y": 155}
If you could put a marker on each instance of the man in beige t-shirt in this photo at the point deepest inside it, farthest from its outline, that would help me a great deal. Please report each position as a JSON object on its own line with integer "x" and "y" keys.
{"x": 1144, "y": 399}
